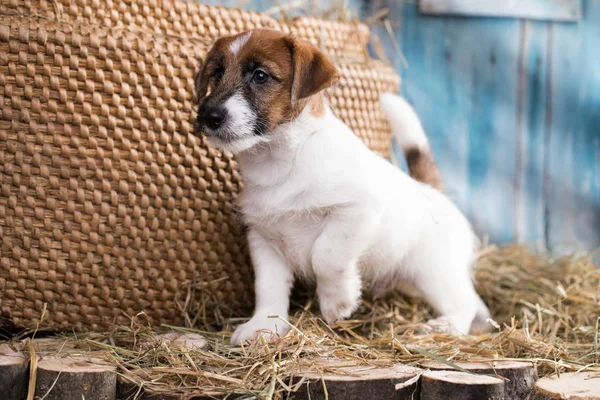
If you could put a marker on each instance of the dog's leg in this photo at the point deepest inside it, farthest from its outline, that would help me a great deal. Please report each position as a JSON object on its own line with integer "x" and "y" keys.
{"x": 335, "y": 256}
{"x": 273, "y": 282}
{"x": 451, "y": 293}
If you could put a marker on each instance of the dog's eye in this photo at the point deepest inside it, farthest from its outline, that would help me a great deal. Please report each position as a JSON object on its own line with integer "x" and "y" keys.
{"x": 260, "y": 77}
{"x": 218, "y": 73}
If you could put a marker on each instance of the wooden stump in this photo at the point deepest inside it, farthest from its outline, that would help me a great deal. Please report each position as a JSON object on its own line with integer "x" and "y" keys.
{"x": 186, "y": 341}
{"x": 572, "y": 386}
{"x": 75, "y": 378}
{"x": 348, "y": 381}
{"x": 519, "y": 377}
{"x": 14, "y": 373}
{"x": 450, "y": 385}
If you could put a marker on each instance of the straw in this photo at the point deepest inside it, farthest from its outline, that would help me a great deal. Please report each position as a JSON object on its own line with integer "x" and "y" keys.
{"x": 556, "y": 300}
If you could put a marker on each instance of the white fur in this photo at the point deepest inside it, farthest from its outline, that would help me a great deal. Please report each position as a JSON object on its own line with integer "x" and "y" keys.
{"x": 239, "y": 130}
{"x": 238, "y": 43}
{"x": 321, "y": 206}
{"x": 406, "y": 125}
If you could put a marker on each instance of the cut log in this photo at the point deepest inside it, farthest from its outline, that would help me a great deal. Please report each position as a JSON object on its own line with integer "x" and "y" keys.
{"x": 187, "y": 341}
{"x": 344, "y": 380}
{"x": 450, "y": 385}
{"x": 75, "y": 378}
{"x": 519, "y": 377}
{"x": 572, "y": 386}
{"x": 14, "y": 373}
{"x": 179, "y": 340}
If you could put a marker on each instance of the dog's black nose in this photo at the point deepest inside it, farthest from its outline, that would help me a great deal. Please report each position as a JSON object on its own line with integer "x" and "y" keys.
{"x": 214, "y": 117}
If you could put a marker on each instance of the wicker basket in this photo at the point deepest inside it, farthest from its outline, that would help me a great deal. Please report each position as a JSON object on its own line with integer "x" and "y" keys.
{"x": 109, "y": 205}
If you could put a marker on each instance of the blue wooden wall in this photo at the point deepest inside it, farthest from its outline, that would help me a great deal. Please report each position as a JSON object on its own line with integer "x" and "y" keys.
{"x": 512, "y": 109}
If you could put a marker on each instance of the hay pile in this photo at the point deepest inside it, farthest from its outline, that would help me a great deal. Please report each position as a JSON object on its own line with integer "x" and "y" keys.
{"x": 546, "y": 310}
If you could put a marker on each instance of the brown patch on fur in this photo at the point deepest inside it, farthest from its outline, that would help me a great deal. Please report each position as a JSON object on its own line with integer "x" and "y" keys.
{"x": 297, "y": 70}
{"x": 423, "y": 168}
{"x": 313, "y": 72}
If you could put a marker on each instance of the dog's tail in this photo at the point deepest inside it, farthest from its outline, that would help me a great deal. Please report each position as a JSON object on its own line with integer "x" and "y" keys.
{"x": 409, "y": 134}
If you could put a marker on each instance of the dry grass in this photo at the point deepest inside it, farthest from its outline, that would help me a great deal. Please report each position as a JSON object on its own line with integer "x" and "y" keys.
{"x": 546, "y": 311}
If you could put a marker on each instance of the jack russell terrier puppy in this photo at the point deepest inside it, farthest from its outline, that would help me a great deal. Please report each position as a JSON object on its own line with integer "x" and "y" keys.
{"x": 321, "y": 206}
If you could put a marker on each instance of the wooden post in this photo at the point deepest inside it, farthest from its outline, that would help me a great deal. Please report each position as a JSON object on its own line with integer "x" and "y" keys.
{"x": 575, "y": 386}
{"x": 75, "y": 378}
{"x": 349, "y": 381}
{"x": 446, "y": 385}
{"x": 519, "y": 377}
{"x": 14, "y": 374}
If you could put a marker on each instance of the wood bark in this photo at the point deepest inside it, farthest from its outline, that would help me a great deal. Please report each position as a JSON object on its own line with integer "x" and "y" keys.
{"x": 75, "y": 378}
{"x": 519, "y": 377}
{"x": 446, "y": 385}
{"x": 14, "y": 373}
{"x": 348, "y": 381}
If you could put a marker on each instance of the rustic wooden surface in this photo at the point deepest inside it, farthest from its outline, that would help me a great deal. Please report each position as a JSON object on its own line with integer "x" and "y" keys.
{"x": 14, "y": 374}
{"x": 572, "y": 386}
{"x": 75, "y": 378}
{"x": 519, "y": 377}
{"x": 511, "y": 110}
{"x": 348, "y": 381}
{"x": 445, "y": 385}
{"x": 556, "y": 10}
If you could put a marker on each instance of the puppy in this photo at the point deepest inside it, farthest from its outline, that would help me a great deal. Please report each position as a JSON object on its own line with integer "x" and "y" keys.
{"x": 319, "y": 205}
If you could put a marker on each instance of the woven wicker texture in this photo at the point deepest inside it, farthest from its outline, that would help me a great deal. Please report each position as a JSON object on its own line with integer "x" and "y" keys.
{"x": 109, "y": 205}
{"x": 188, "y": 19}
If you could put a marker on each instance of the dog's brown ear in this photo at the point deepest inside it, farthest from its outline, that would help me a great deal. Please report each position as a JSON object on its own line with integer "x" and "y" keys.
{"x": 201, "y": 79}
{"x": 202, "y": 76}
{"x": 312, "y": 71}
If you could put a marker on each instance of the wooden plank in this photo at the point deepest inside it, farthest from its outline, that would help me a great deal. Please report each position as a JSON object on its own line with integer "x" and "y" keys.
{"x": 293, "y": 8}
{"x": 529, "y": 223}
{"x": 573, "y": 135}
{"x": 461, "y": 80}
{"x": 556, "y": 10}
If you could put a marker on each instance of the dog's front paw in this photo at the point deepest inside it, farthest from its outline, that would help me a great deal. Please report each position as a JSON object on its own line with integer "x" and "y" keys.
{"x": 338, "y": 304}
{"x": 269, "y": 328}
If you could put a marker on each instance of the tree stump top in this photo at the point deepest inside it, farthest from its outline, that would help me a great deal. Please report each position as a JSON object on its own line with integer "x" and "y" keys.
{"x": 457, "y": 377}
{"x": 572, "y": 386}
{"x": 10, "y": 357}
{"x": 338, "y": 370}
{"x": 477, "y": 365}
{"x": 75, "y": 364}
{"x": 188, "y": 341}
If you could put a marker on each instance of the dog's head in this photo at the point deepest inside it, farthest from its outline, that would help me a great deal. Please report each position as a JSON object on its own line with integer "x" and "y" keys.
{"x": 253, "y": 82}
